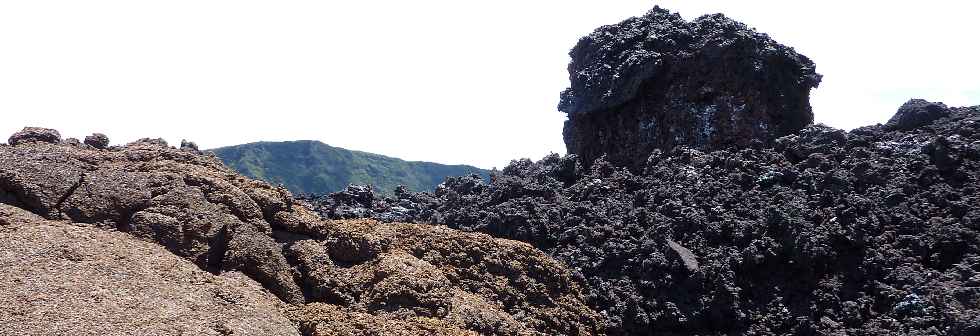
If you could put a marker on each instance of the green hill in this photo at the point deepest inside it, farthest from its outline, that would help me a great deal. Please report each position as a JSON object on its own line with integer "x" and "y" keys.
{"x": 314, "y": 167}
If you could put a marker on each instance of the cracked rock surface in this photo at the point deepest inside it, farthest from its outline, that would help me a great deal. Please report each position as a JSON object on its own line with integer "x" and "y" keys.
{"x": 875, "y": 231}
{"x": 424, "y": 279}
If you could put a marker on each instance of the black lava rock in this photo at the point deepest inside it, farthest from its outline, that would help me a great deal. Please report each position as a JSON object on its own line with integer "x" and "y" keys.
{"x": 916, "y": 113}
{"x": 362, "y": 202}
{"x": 189, "y": 146}
{"x": 35, "y": 134}
{"x": 868, "y": 232}
{"x": 97, "y": 140}
{"x": 657, "y": 81}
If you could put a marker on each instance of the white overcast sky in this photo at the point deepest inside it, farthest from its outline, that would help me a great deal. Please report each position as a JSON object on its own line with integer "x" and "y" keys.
{"x": 473, "y": 82}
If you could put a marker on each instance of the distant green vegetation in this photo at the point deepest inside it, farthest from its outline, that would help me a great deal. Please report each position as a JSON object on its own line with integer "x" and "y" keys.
{"x": 315, "y": 167}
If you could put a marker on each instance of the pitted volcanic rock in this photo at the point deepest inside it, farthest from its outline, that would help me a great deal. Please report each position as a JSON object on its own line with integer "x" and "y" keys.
{"x": 657, "y": 81}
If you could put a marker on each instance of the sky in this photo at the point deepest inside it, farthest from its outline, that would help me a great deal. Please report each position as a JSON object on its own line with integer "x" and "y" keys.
{"x": 473, "y": 82}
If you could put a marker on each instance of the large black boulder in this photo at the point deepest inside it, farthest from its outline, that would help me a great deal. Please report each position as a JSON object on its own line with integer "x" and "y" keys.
{"x": 34, "y": 134}
{"x": 657, "y": 81}
{"x": 916, "y": 113}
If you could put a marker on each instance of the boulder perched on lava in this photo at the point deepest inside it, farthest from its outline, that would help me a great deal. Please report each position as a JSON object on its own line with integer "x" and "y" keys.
{"x": 34, "y": 134}
{"x": 916, "y": 113}
{"x": 657, "y": 81}
{"x": 358, "y": 277}
{"x": 97, "y": 140}
{"x": 828, "y": 232}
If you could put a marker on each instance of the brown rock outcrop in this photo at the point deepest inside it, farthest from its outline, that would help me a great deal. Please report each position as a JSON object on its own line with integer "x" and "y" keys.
{"x": 223, "y": 222}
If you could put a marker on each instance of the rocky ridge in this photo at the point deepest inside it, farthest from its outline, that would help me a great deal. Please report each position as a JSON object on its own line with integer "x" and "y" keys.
{"x": 333, "y": 277}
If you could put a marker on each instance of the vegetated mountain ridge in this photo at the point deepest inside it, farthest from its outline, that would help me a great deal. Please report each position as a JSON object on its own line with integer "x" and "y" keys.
{"x": 313, "y": 167}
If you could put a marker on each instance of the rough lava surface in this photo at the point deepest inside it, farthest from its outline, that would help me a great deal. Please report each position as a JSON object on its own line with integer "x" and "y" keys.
{"x": 657, "y": 81}
{"x": 358, "y": 277}
{"x": 875, "y": 231}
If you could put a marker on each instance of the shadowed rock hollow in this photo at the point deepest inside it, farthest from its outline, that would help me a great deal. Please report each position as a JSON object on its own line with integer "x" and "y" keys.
{"x": 338, "y": 277}
{"x": 657, "y": 81}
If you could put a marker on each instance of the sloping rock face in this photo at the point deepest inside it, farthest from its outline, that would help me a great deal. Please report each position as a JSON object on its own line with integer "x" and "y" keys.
{"x": 657, "y": 81}
{"x": 875, "y": 231}
{"x": 423, "y": 279}
{"x": 62, "y": 278}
